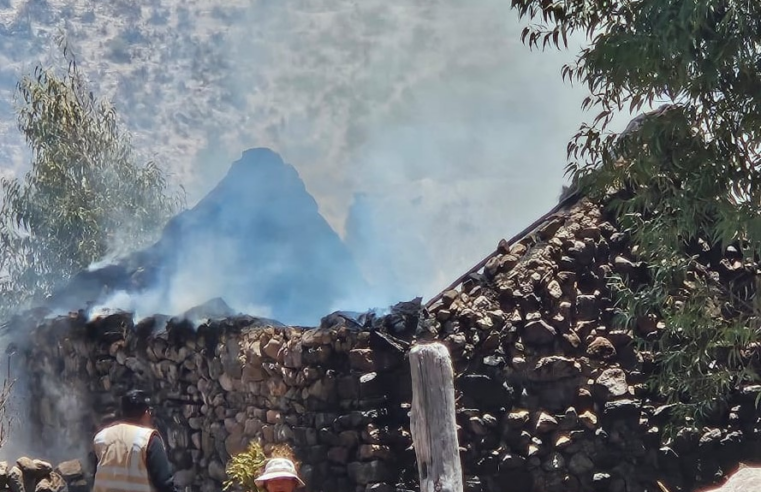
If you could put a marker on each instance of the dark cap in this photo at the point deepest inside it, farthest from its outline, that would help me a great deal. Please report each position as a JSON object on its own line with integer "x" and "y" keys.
{"x": 135, "y": 403}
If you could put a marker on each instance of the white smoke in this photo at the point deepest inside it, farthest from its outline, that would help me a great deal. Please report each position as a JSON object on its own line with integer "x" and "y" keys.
{"x": 62, "y": 402}
{"x": 454, "y": 132}
{"x": 453, "y": 129}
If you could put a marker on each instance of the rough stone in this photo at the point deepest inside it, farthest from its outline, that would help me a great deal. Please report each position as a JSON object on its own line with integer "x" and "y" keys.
{"x": 53, "y": 482}
{"x": 486, "y": 391}
{"x": 554, "y": 368}
{"x": 611, "y": 383}
{"x": 369, "y": 472}
{"x": 16, "y": 479}
{"x": 3, "y": 474}
{"x": 70, "y": 470}
{"x": 338, "y": 455}
{"x": 601, "y": 480}
{"x": 623, "y": 409}
{"x": 554, "y": 289}
{"x": 362, "y": 360}
{"x": 586, "y": 307}
{"x": 272, "y": 348}
{"x": 217, "y": 471}
{"x": 554, "y": 462}
{"x": 602, "y": 348}
{"x": 579, "y": 464}
{"x": 375, "y": 451}
{"x": 184, "y": 478}
{"x": 34, "y": 468}
{"x": 563, "y": 441}
{"x": 539, "y": 332}
{"x": 379, "y": 487}
{"x": 517, "y": 419}
{"x": 623, "y": 265}
{"x": 78, "y": 485}
{"x": 546, "y": 423}
{"x": 588, "y": 419}
{"x": 512, "y": 461}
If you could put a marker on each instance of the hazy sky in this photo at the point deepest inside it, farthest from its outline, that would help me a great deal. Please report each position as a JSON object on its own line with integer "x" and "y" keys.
{"x": 454, "y": 130}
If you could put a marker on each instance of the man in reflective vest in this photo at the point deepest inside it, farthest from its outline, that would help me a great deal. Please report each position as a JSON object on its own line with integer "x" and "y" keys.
{"x": 130, "y": 453}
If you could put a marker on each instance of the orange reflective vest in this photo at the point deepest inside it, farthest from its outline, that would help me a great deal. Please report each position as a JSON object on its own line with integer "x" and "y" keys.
{"x": 121, "y": 450}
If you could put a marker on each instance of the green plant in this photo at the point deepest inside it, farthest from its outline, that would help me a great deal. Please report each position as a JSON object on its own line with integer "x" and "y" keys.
{"x": 244, "y": 467}
{"x": 85, "y": 194}
{"x": 690, "y": 173}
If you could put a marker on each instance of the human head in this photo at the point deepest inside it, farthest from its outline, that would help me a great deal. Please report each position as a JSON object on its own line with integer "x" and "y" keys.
{"x": 136, "y": 407}
{"x": 279, "y": 476}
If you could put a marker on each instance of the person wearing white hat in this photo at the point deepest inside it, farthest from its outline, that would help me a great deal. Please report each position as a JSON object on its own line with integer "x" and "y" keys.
{"x": 279, "y": 476}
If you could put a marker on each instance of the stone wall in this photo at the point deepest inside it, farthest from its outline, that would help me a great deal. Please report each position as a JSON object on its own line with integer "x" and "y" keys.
{"x": 340, "y": 397}
{"x": 33, "y": 475}
{"x": 550, "y": 397}
{"x": 539, "y": 316}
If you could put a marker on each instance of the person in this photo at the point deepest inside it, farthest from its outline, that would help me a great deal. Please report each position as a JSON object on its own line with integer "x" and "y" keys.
{"x": 279, "y": 476}
{"x": 130, "y": 454}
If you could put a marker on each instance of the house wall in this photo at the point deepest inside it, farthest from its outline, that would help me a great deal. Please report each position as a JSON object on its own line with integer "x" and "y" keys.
{"x": 550, "y": 397}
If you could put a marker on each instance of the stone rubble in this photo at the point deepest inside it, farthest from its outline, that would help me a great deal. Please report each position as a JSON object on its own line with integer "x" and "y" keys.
{"x": 34, "y": 475}
{"x": 550, "y": 397}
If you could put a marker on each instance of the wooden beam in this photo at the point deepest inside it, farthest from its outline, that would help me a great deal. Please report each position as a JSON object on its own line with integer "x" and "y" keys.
{"x": 432, "y": 419}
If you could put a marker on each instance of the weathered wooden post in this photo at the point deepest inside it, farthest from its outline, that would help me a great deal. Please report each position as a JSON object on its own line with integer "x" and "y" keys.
{"x": 432, "y": 420}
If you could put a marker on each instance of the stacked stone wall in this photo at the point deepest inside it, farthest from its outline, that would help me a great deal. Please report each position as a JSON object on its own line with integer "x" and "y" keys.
{"x": 551, "y": 396}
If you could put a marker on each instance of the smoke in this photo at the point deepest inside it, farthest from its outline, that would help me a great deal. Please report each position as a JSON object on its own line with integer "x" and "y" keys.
{"x": 19, "y": 441}
{"x": 256, "y": 240}
{"x": 451, "y": 131}
{"x": 194, "y": 283}
{"x": 60, "y": 401}
{"x": 424, "y": 130}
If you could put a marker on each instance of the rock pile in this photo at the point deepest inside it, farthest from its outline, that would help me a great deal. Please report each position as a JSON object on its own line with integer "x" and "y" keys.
{"x": 31, "y": 475}
{"x": 550, "y": 397}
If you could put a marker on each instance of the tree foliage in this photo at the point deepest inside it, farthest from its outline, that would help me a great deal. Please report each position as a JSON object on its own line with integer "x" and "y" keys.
{"x": 245, "y": 466}
{"x": 85, "y": 193}
{"x": 691, "y": 170}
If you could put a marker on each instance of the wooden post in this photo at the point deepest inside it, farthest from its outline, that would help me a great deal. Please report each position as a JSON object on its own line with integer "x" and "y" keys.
{"x": 432, "y": 420}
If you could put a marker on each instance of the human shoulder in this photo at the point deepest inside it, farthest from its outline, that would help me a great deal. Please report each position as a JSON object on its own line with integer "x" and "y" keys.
{"x": 108, "y": 428}
{"x": 129, "y": 427}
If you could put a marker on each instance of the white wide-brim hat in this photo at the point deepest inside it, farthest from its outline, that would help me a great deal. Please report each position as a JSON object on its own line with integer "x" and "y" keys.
{"x": 278, "y": 468}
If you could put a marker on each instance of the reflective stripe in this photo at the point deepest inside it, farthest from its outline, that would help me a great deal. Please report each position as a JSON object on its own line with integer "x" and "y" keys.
{"x": 114, "y": 485}
{"x": 121, "y": 472}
